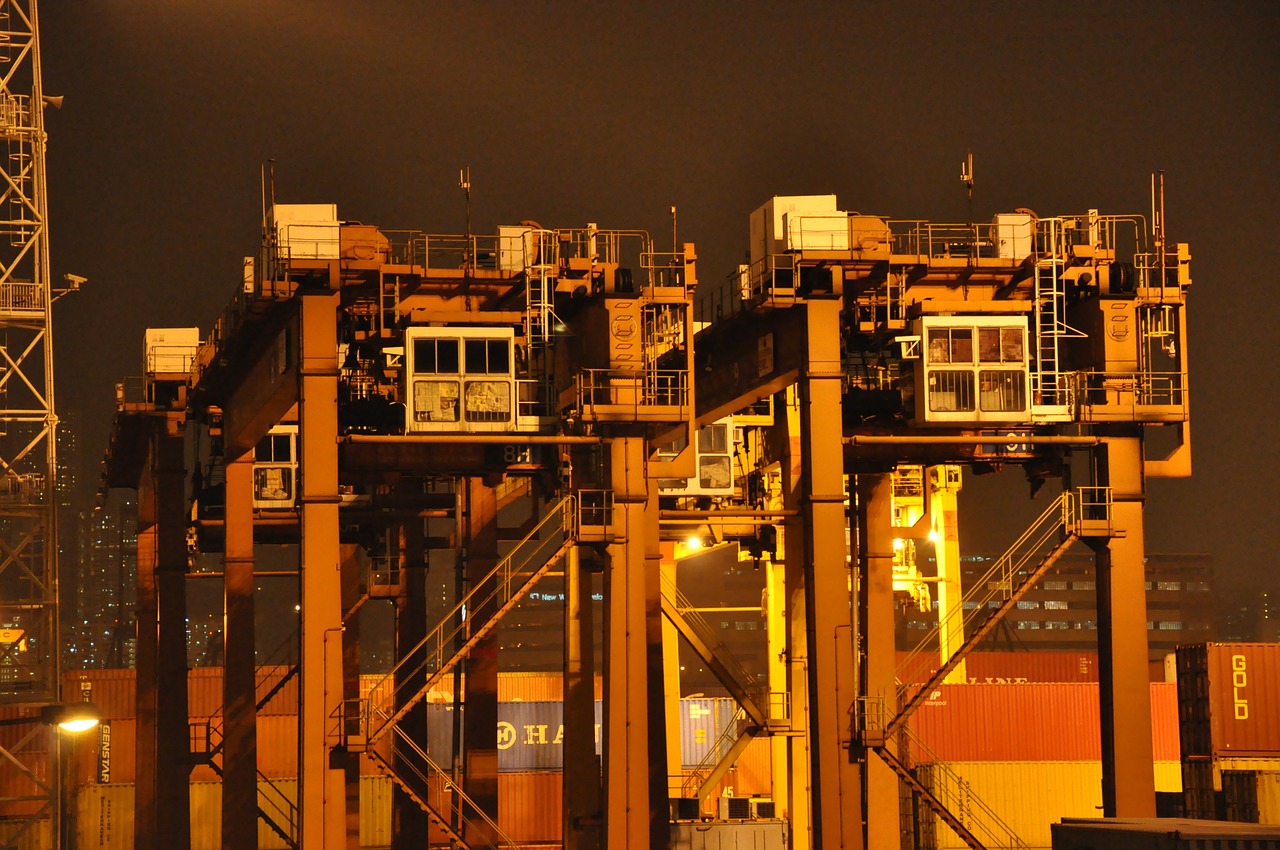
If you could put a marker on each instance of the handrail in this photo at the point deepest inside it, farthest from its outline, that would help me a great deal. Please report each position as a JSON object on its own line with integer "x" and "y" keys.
{"x": 997, "y": 580}
{"x": 409, "y": 755}
{"x": 714, "y": 752}
{"x": 948, "y": 794}
{"x": 756, "y": 690}
{"x": 505, "y": 582}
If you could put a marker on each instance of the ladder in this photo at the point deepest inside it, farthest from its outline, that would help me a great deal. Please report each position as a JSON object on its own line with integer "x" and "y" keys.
{"x": 538, "y": 276}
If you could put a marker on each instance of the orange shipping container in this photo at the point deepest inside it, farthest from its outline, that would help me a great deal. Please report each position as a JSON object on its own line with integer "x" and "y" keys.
{"x": 1031, "y": 722}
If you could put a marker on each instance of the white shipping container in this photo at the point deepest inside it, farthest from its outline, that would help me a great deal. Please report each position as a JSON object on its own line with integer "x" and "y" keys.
{"x": 767, "y": 228}
{"x": 1013, "y": 234}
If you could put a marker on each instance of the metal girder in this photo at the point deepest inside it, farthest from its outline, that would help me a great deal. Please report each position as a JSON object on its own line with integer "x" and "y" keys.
{"x": 746, "y": 358}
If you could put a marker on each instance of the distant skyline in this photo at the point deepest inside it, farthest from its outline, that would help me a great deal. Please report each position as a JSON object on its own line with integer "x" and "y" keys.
{"x": 569, "y": 112}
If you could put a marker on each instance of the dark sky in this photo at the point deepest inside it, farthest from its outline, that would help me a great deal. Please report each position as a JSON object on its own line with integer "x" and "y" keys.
{"x": 611, "y": 112}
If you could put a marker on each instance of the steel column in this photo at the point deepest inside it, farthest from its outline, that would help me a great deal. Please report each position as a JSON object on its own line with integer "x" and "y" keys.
{"x": 480, "y": 687}
{"x": 239, "y": 683}
{"x": 581, "y": 769}
{"x": 321, "y": 792}
{"x": 1128, "y": 771}
{"x": 875, "y": 575}
{"x": 833, "y": 677}
{"x": 409, "y": 821}
{"x": 626, "y": 705}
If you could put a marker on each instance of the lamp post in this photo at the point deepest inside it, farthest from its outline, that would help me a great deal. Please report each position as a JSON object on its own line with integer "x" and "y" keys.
{"x": 72, "y": 718}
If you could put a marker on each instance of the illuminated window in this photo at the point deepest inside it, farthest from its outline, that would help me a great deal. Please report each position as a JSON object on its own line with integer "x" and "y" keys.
{"x": 1055, "y": 605}
{"x": 488, "y": 401}
{"x": 1169, "y": 585}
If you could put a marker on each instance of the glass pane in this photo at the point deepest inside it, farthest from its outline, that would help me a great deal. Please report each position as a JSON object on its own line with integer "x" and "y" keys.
{"x": 499, "y": 356}
{"x": 488, "y": 401}
{"x": 447, "y": 356}
{"x": 1002, "y": 391}
{"x": 713, "y": 472}
{"x": 988, "y": 345}
{"x": 280, "y": 447}
{"x": 272, "y": 484}
{"x": 435, "y": 401}
{"x": 1011, "y": 342}
{"x": 961, "y": 345}
{"x": 938, "y": 346}
{"x": 262, "y": 451}
{"x": 477, "y": 361}
{"x": 951, "y": 392}
{"x": 712, "y": 439}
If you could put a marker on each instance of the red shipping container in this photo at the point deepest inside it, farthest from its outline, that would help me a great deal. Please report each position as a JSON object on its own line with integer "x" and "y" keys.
{"x": 1229, "y": 699}
{"x": 1002, "y": 667}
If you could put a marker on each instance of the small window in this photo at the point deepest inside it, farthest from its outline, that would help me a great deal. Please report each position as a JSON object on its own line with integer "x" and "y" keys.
{"x": 435, "y": 401}
{"x": 1002, "y": 390}
{"x": 1082, "y": 585}
{"x": 1000, "y": 345}
{"x": 273, "y": 483}
{"x": 488, "y": 356}
{"x": 488, "y": 401}
{"x": 951, "y": 345}
{"x": 1168, "y": 585}
{"x": 950, "y": 391}
{"x": 1054, "y": 585}
{"x": 1055, "y": 605}
{"x": 714, "y": 473}
{"x": 435, "y": 356}
{"x": 713, "y": 438}
{"x": 1027, "y": 604}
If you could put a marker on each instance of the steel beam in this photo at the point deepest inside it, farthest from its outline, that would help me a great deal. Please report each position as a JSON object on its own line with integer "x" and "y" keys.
{"x": 409, "y": 821}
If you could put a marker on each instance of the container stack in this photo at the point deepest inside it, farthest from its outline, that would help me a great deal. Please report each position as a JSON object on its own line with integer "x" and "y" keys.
{"x": 1229, "y": 724}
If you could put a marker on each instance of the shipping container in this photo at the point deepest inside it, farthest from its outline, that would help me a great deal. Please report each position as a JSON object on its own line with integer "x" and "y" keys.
{"x": 1162, "y": 834}
{"x": 1229, "y": 699}
{"x": 1269, "y": 797}
{"x": 1028, "y": 722}
{"x": 1026, "y": 796}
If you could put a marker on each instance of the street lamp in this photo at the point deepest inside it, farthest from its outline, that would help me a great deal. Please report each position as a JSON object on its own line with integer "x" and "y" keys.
{"x": 72, "y": 717}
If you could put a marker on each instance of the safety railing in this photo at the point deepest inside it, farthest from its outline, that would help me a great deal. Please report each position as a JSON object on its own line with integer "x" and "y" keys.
{"x": 489, "y": 598}
{"x": 755, "y": 690}
{"x": 435, "y": 792}
{"x": 22, "y": 488}
{"x": 948, "y": 794}
{"x": 1130, "y": 390}
{"x": 622, "y": 392}
{"x": 21, "y": 297}
{"x": 665, "y": 269}
{"x": 714, "y": 753}
{"x": 996, "y": 584}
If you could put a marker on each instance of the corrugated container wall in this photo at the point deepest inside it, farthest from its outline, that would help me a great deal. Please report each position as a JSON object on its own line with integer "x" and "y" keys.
{"x": 1029, "y": 722}
{"x": 1269, "y": 797}
{"x": 1229, "y": 699}
{"x": 997, "y": 667}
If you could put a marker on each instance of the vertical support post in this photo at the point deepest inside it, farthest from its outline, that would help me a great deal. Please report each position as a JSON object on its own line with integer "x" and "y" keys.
{"x": 626, "y": 705}
{"x": 1128, "y": 771}
{"x": 165, "y": 803}
{"x": 409, "y": 821}
{"x": 943, "y": 484}
{"x": 350, "y": 568}
{"x": 669, "y": 687}
{"x": 659, "y": 754}
{"x": 239, "y": 683}
{"x": 146, "y": 674}
{"x": 875, "y": 575}
{"x": 480, "y": 688}
{"x": 581, "y": 769}
{"x": 833, "y": 675}
{"x": 321, "y": 792}
{"x": 799, "y": 804}
{"x": 776, "y": 669}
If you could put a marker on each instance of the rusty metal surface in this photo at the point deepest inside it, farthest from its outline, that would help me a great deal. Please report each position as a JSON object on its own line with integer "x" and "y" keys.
{"x": 1229, "y": 699}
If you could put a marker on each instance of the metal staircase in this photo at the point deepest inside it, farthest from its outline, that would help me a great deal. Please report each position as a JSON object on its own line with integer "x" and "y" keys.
{"x": 452, "y": 639}
{"x": 943, "y": 791}
{"x": 432, "y": 788}
{"x": 1073, "y": 514}
{"x": 275, "y": 809}
{"x": 1085, "y": 512}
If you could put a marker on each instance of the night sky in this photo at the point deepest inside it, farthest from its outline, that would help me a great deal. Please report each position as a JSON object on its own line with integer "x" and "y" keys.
{"x": 574, "y": 112}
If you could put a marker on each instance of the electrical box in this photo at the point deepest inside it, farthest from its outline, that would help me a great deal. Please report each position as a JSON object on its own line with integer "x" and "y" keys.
{"x": 774, "y": 222}
{"x": 1013, "y": 234}
{"x": 169, "y": 351}
{"x": 732, "y": 835}
{"x": 307, "y": 231}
